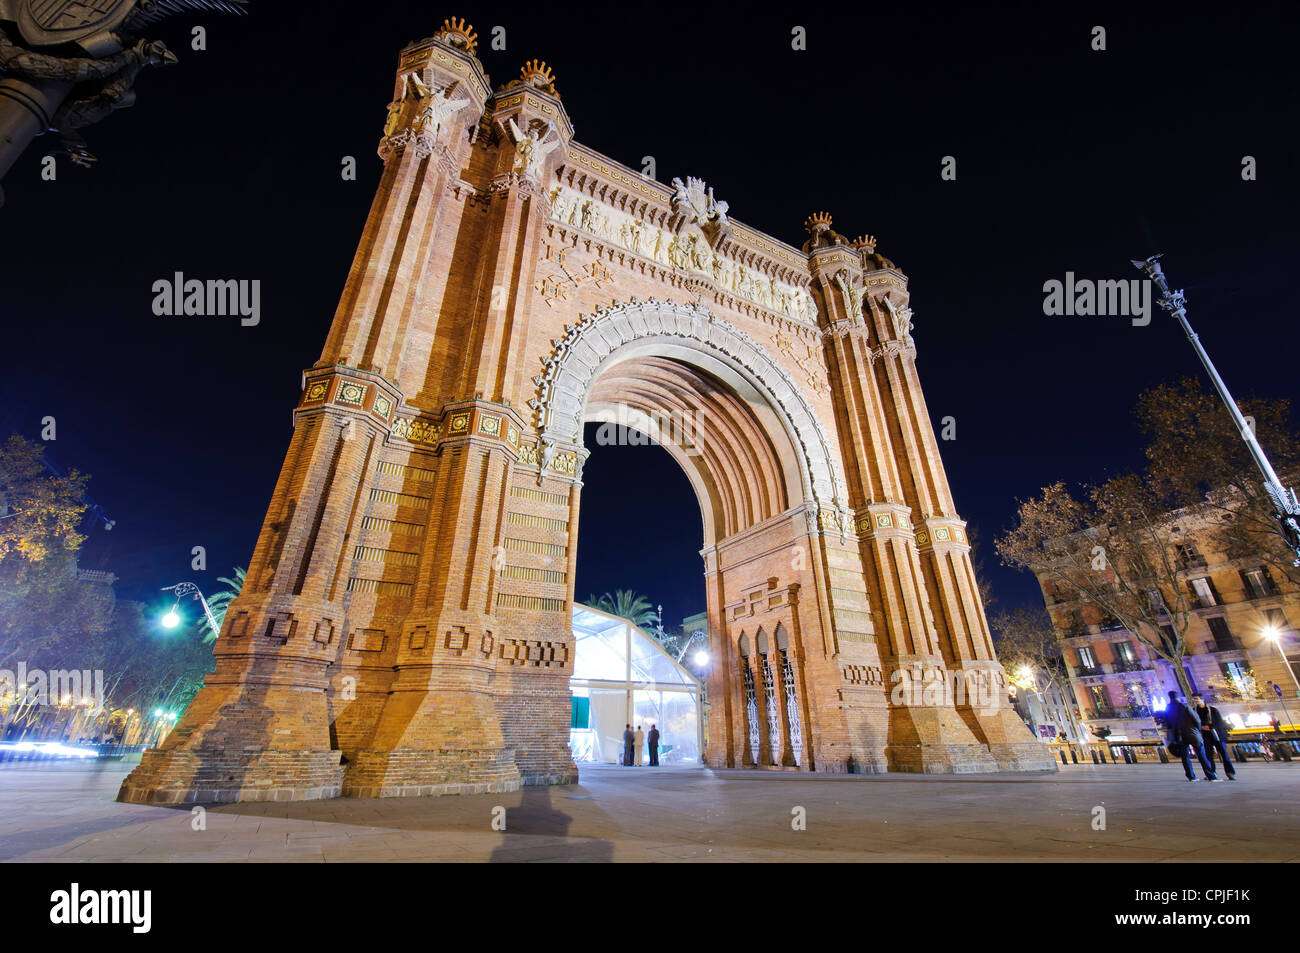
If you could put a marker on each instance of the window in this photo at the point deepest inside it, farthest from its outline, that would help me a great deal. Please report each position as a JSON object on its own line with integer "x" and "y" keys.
{"x": 1203, "y": 591}
{"x": 1258, "y": 583}
{"x": 1224, "y": 640}
{"x": 1124, "y": 652}
{"x": 1168, "y": 639}
{"x": 1086, "y": 657}
{"x": 1241, "y": 677}
{"x": 1189, "y": 556}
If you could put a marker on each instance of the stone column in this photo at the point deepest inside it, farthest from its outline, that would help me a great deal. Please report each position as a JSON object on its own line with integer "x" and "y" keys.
{"x": 259, "y": 729}
{"x": 940, "y": 554}
{"x": 925, "y": 731}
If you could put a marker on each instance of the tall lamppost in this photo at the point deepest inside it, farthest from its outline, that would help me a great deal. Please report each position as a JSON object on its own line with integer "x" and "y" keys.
{"x": 184, "y": 590}
{"x": 1284, "y": 500}
{"x": 1274, "y": 635}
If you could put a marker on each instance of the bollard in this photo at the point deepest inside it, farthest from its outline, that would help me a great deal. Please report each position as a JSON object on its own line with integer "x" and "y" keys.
{"x": 1063, "y": 761}
{"x": 1093, "y": 752}
{"x": 1073, "y": 756}
{"x": 1164, "y": 758}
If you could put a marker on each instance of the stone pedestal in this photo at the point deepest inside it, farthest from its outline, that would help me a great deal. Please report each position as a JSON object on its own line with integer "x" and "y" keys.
{"x": 439, "y": 733}
{"x": 257, "y": 731}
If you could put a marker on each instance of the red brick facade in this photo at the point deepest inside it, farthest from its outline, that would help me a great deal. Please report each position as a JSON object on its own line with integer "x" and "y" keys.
{"x": 405, "y": 625}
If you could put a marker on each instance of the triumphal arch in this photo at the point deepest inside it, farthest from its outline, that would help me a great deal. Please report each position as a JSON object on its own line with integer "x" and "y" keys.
{"x": 405, "y": 625}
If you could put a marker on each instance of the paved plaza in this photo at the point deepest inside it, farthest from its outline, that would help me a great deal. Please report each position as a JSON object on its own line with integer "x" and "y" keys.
{"x": 66, "y": 813}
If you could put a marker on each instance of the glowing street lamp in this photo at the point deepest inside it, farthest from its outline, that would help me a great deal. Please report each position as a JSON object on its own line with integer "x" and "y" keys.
{"x": 1274, "y": 635}
{"x": 184, "y": 590}
{"x": 701, "y": 659}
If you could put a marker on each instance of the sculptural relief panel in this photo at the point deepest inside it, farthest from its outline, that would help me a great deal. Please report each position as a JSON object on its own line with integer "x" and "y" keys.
{"x": 688, "y": 250}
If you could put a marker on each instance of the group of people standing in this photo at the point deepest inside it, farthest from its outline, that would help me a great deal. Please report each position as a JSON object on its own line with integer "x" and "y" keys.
{"x": 634, "y": 746}
{"x": 1197, "y": 729}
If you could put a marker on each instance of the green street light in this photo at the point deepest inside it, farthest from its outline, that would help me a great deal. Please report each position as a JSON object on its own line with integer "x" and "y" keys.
{"x": 184, "y": 590}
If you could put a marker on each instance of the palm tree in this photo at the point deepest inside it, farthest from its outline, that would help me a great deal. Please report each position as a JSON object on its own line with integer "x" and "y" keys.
{"x": 219, "y": 603}
{"x": 627, "y": 604}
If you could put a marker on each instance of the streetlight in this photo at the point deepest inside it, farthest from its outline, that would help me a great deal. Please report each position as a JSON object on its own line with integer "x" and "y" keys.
{"x": 701, "y": 659}
{"x": 1284, "y": 500}
{"x": 184, "y": 590}
{"x": 1274, "y": 635}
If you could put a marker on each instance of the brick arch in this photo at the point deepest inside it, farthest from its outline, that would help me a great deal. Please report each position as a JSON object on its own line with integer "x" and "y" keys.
{"x": 693, "y": 334}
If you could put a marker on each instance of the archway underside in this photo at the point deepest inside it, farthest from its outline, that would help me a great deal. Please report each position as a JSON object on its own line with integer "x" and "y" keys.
{"x": 734, "y": 465}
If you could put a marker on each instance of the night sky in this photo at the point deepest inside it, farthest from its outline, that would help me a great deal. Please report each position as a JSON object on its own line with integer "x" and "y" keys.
{"x": 1067, "y": 160}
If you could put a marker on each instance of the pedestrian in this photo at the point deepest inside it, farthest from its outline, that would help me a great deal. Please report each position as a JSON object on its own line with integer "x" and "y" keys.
{"x": 1215, "y": 733}
{"x": 627, "y": 745}
{"x": 639, "y": 742}
{"x": 653, "y": 738}
{"x": 1184, "y": 738}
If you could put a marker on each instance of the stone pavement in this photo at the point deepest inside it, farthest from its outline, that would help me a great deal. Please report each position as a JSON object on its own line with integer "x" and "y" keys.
{"x": 66, "y": 813}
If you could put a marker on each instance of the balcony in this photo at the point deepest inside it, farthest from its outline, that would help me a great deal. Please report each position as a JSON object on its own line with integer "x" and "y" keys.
{"x": 1119, "y": 711}
{"x": 1081, "y": 671}
{"x": 1129, "y": 665}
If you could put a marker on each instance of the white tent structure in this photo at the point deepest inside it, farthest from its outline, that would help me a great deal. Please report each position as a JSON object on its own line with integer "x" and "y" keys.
{"x": 622, "y": 676}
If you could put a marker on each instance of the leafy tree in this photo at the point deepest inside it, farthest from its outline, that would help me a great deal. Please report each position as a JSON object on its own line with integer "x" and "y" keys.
{"x": 219, "y": 602}
{"x": 39, "y": 510}
{"x": 626, "y": 603}
{"x": 41, "y": 598}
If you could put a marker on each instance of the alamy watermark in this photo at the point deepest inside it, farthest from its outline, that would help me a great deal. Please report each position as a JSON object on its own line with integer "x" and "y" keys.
{"x": 927, "y": 687}
{"x": 1128, "y": 298}
{"x": 637, "y": 429}
{"x": 178, "y": 296}
{"x": 53, "y": 686}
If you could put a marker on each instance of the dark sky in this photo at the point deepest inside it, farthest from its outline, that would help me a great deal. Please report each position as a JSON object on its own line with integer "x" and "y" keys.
{"x": 1067, "y": 160}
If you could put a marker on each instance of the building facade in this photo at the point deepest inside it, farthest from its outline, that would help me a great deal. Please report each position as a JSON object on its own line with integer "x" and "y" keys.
{"x": 1049, "y": 710}
{"x": 1237, "y": 606}
{"x": 405, "y": 627}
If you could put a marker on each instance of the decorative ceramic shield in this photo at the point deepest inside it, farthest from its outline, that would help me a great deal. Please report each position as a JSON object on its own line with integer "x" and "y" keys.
{"x": 51, "y": 22}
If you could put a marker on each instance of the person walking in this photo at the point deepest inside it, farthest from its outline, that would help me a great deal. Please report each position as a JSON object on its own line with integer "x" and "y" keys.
{"x": 1184, "y": 739}
{"x": 1214, "y": 732}
{"x": 627, "y": 745}
{"x": 653, "y": 738}
{"x": 639, "y": 742}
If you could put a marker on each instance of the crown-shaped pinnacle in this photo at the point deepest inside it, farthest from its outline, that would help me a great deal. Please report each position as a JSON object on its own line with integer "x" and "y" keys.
{"x": 817, "y": 220}
{"x": 866, "y": 241}
{"x": 459, "y": 34}
{"x": 537, "y": 73}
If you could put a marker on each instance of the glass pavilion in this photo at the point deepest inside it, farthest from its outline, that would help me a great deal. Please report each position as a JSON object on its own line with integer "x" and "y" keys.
{"x": 622, "y": 676}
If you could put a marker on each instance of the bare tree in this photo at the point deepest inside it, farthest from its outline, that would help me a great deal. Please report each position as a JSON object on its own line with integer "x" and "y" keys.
{"x": 1116, "y": 552}
{"x": 1030, "y": 651}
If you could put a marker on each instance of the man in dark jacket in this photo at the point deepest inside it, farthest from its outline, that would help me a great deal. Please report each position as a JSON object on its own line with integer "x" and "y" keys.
{"x": 628, "y": 742}
{"x": 1184, "y": 729}
{"x": 653, "y": 740}
{"x": 1215, "y": 733}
